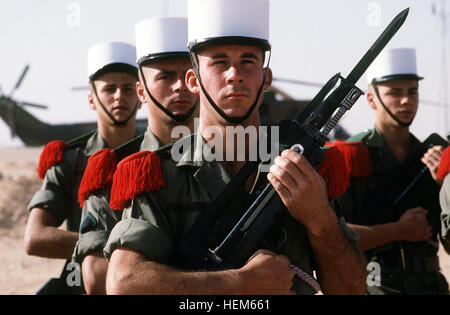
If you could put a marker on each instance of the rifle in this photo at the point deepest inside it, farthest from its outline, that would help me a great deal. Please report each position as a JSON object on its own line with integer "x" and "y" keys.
{"x": 411, "y": 174}
{"x": 400, "y": 193}
{"x": 308, "y": 132}
{"x": 59, "y": 286}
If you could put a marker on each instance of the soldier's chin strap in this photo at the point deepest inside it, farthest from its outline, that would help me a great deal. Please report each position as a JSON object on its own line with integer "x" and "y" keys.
{"x": 178, "y": 118}
{"x": 398, "y": 121}
{"x": 231, "y": 120}
{"x": 115, "y": 121}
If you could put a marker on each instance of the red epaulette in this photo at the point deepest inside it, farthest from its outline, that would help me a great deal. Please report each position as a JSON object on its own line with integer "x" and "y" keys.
{"x": 135, "y": 174}
{"x": 357, "y": 158}
{"x": 50, "y": 156}
{"x": 444, "y": 164}
{"x": 101, "y": 166}
{"x": 98, "y": 173}
{"x": 333, "y": 170}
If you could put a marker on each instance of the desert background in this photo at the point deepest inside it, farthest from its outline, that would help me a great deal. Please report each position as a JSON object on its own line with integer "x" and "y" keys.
{"x": 20, "y": 273}
{"x": 23, "y": 274}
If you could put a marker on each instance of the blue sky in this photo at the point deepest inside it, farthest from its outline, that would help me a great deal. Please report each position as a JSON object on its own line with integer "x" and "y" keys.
{"x": 311, "y": 40}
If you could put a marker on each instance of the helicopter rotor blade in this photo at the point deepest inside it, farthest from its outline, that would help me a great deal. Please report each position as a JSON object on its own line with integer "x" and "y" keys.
{"x": 19, "y": 82}
{"x": 299, "y": 82}
{"x": 34, "y": 105}
{"x": 314, "y": 84}
{"x": 80, "y": 88}
{"x": 433, "y": 103}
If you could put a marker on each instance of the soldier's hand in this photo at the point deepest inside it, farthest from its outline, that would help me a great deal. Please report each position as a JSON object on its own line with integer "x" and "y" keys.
{"x": 267, "y": 273}
{"x": 300, "y": 187}
{"x": 413, "y": 225}
{"x": 431, "y": 159}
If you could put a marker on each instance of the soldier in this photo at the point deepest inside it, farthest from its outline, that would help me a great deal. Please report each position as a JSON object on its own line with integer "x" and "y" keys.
{"x": 163, "y": 61}
{"x": 112, "y": 72}
{"x": 400, "y": 236}
{"x": 228, "y": 41}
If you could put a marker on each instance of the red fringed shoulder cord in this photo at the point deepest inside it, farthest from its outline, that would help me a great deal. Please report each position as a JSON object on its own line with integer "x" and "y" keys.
{"x": 357, "y": 158}
{"x": 98, "y": 174}
{"x": 52, "y": 154}
{"x": 333, "y": 170}
{"x": 137, "y": 173}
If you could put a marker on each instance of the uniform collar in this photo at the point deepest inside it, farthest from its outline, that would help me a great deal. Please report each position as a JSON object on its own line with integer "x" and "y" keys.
{"x": 376, "y": 139}
{"x": 211, "y": 174}
{"x": 150, "y": 142}
{"x": 94, "y": 143}
{"x": 196, "y": 152}
{"x": 383, "y": 153}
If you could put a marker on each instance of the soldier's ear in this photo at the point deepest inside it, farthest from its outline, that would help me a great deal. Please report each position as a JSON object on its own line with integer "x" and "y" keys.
{"x": 91, "y": 101}
{"x": 192, "y": 82}
{"x": 140, "y": 90}
{"x": 370, "y": 96}
{"x": 269, "y": 79}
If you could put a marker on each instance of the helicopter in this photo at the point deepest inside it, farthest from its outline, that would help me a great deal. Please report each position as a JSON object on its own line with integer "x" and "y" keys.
{"x": 34, "y": 132}
{"x": 277, "y": 105}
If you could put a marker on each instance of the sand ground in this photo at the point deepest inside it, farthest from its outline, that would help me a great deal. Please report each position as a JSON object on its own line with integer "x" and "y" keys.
{"x": 19, "y": 272}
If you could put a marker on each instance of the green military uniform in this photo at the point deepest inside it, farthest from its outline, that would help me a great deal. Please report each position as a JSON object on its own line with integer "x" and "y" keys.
{"x": 98, "y": 218}
{"x": 406, "y": 267}
{"x": 59, "y": 191}
{"x": 154, "y": 222}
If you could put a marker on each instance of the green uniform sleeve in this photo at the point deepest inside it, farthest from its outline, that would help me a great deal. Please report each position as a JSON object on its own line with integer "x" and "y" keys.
{"x": 144, "y": 229}
{"x": 142, "y": 237}
{"x": 444, "y": 199}
{"x": 55, "y": 194}
{"x": 97, "y": 222}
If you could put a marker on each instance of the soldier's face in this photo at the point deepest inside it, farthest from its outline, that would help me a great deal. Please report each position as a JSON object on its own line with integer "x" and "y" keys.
{"x": 232, "y": 76}
{"x": 117, "y": 92}
{"x": 165, "y": 80}
{"x": 401, "y": 97}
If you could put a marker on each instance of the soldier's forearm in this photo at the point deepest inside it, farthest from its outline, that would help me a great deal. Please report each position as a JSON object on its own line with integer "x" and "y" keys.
{"x": 50, "y": 242}
{"x": 130, "y": 272}
{"x": 341, "y": 266}
{"x": 94, "y": 268}
{"x": 43, "y": 238}
{"x": 375, "y": 235}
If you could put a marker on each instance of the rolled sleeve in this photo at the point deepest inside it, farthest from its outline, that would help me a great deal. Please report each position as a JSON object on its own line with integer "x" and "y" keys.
{"x": 88, "y": 243}
{"x": 51, "y": 201}
{"x": 56, "y": 193}
{"x": 97, "y": 223}
{"x": 143, "y": 237}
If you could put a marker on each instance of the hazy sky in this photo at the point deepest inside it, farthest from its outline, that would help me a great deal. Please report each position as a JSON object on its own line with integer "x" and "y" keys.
{"x": 311, "y": 41}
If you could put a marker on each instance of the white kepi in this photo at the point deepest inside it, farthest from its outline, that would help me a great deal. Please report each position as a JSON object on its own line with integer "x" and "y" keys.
{"x": 228, "y": 21}
{"x": 111, "y": 57}
{"x": 157, "y": 38}
{"x": 393, "y": 64}
{"x": 161, "y": 37}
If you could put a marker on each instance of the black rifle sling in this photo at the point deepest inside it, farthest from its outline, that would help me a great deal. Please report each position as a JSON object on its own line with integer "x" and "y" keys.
{"x": 224, "y": 197}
